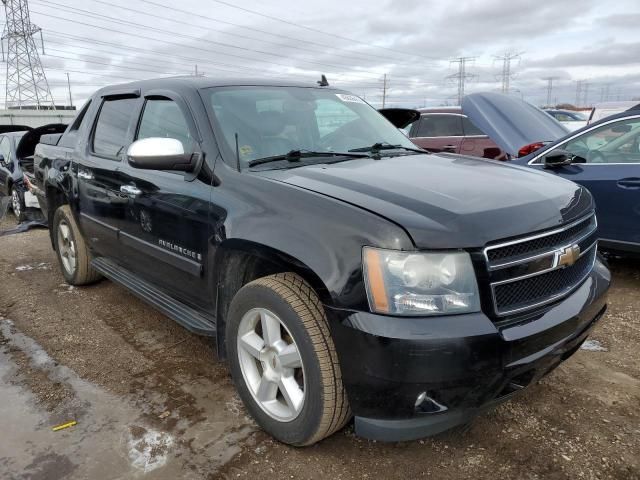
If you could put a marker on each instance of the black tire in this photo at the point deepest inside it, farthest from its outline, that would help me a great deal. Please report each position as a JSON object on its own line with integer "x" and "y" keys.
{"x": 82, "y": 273}
{"x": 326, "y": 408}
{"x": 17, "y": 204}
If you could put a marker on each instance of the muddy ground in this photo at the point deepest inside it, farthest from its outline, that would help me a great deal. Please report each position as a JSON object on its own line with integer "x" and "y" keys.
{"x": 151, "y": 401}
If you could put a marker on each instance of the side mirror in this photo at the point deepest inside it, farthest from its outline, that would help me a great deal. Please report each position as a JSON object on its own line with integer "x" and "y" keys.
{"x": 158, "y": 153}
{"x": 558, "y": 158}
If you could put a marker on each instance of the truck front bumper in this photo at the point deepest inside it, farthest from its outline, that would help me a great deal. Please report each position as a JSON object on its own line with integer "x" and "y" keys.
{"x": 409, "y": 377}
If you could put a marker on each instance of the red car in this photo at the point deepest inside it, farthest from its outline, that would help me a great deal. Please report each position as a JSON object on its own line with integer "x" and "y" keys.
{"x": 447, "y": 129}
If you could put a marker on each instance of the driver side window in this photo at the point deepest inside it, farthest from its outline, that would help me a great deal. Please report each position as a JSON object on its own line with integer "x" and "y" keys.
{"x": 616, "y": 142}
{"x": 163, "y": 118}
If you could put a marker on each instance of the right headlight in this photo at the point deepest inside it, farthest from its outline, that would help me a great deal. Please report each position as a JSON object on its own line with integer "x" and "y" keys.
{"x": 408, "y": 283}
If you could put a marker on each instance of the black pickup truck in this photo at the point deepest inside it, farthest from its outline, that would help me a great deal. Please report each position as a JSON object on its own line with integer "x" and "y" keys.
{"x": 341, "y": 270}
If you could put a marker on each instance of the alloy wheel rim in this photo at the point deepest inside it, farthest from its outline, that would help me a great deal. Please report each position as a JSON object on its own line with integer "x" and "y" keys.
{"x": 271, "y": 364}
{"x": 66, "y": 247}
{"x": 15, "y": 203}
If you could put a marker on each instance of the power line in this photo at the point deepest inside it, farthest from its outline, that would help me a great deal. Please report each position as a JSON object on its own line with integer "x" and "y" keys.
{"x": 175, "y": 20}
{"x": 188, "y": 60}
{"x": 361, "y": 73}
{"x": 305, "y": 27}
{"x": 462, "y": 76}
{"x": 247, "y": 27}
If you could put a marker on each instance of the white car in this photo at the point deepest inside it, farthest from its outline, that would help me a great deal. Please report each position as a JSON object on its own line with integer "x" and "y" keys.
{"x": 571, "y": 119}
{"x": 606, "y": 109}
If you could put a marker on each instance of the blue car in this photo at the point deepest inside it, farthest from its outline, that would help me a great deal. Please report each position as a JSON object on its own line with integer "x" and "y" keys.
{"x": 604, "y": 157}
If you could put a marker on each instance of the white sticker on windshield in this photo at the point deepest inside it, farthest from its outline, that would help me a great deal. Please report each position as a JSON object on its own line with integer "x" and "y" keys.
{"x": 349, "y": 98}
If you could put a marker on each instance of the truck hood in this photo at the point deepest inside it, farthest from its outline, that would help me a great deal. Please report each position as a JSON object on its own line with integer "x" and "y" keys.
{"x": 510, "y": 122}
{"x": 446, "y": 201}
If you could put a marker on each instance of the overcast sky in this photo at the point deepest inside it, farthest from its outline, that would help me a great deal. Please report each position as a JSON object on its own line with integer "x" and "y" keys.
{"x": 353, "y": 42}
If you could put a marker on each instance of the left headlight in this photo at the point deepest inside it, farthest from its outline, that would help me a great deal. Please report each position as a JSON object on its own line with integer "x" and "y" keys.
{"x": 407, "y": 283}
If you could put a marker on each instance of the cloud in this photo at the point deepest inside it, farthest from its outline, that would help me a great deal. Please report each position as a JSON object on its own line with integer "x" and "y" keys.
{"x": 608, "y": 55}
{"x": 411, "y": 41}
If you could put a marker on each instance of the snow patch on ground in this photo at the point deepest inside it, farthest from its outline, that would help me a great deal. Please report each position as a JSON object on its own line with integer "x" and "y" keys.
{"x": 150, "y": 450}
{"x": 593, "y": 346}
{"x": 35, "y": 266}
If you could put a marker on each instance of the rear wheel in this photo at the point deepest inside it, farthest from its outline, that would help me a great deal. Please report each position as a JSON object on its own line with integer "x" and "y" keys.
{"x": 72, "y": 251}
{"x": 17, "y": 204}
{"x": 283, "y": 360}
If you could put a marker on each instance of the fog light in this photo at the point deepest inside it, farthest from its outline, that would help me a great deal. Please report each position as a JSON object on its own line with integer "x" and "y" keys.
{"x": 426, "y": 404}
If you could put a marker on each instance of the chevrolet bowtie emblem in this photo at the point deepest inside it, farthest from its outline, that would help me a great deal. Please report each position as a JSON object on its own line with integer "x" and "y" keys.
{"x": 567, "y": 256}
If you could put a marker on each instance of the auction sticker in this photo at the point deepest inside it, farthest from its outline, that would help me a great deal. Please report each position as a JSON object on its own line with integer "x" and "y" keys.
{"x": 349, "y": 98}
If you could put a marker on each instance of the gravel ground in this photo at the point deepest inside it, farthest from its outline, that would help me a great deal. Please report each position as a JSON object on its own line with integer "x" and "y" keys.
{"x": 150, "y": 399}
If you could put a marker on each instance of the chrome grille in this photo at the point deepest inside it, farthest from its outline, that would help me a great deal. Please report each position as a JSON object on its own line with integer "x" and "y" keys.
{"x": 536, "y": 270}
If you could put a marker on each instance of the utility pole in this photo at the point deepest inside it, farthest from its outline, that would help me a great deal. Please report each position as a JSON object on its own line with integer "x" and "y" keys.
{"x": 550, "y": 88}
{"x": 604, "y": 92}
{"x": 579, "y": 84}
{"x": 385, "y": 86}
{"x": 69, "y": 87}
{"x": 507, "y": 58}
{"x": 585, "y": 90}
{"x": 26, "y": 83}
{"x": 462, "y": 76}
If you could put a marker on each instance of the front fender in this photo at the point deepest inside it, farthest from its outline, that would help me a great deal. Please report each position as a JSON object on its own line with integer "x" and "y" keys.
{"x": 322, "y": 234}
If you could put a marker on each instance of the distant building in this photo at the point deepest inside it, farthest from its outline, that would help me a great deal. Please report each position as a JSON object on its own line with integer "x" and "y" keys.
{"x": 35, "y": 118}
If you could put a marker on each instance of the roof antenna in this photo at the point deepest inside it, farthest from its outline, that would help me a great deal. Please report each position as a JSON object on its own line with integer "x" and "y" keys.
{"x": 323, "y": 82}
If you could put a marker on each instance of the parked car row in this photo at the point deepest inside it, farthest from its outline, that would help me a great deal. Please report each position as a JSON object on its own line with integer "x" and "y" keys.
{"x": 17, "y": 146}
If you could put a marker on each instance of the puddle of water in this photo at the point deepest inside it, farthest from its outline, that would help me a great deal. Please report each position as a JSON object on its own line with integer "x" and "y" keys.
{"x": 111, "y": 439}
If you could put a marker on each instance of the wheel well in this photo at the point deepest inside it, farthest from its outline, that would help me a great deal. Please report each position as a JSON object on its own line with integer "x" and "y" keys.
{"x": 55, "y": 198}
{"x": 239, "y": 263}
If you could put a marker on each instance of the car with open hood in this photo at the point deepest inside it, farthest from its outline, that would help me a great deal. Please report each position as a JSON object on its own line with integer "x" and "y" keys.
{"x": 342, "y": 271}
{"x": 604, "y": 157}
{"x": 17, "y": 145}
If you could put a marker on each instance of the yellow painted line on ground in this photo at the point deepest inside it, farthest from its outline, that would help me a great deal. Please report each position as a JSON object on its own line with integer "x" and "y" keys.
{"x": 65, "y": 425}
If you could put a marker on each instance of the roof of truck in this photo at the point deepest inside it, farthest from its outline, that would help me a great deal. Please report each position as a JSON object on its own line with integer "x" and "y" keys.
{"x": 207, "y": 82}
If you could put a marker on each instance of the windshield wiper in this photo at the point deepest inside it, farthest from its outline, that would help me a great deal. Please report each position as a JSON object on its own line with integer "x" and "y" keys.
{"x": 296, "y": 155}
{"x": 377, "y": 147}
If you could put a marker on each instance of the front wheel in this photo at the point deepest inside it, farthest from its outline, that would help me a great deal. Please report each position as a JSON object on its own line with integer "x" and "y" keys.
{"x": 283, "y": 360}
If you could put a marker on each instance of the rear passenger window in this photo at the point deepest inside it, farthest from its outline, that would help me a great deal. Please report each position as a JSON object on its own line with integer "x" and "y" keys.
{"x": 163, "y": 118}
{"x": 110, "y": 135}
{"x": 440, "y": 126}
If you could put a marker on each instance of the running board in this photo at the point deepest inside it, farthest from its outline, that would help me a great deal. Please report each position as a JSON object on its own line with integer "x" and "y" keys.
{"x": 186, "y": 316}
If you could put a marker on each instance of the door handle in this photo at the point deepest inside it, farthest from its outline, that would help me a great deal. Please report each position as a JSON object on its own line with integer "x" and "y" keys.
{"x": 450, "y": 147}
{"x": 85, "y": 175}
{"x": 629, "y": 183}
{"x": 130, "y": 190}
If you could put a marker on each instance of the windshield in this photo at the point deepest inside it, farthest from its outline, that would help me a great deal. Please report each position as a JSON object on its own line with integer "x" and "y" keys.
{"x": 272, "y": 121}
